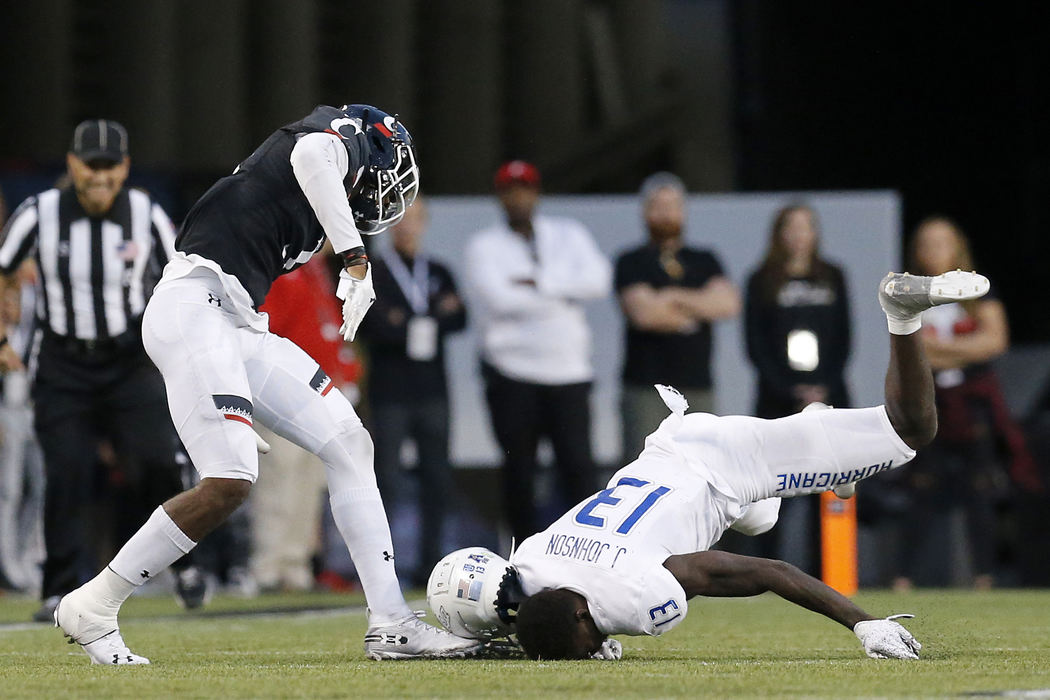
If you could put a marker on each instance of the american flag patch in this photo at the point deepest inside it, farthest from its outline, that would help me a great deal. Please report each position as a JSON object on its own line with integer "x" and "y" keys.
{"x": 469, "y": 589}
{"x": 128, "y": 250}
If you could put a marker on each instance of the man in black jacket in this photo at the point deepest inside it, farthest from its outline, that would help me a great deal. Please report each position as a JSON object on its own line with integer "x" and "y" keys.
{"x": 417, "y": 307}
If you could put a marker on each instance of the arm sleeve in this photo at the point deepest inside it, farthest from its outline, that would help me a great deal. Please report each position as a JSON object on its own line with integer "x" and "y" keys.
{"x": 713, "y": 266}
{"x": 663, "y": 604}
{"x": 457, "y": 320}
{"x": 491, "y": 286}
{"x": 320, "y": 163}
{"x": 577, "y": 269}
{"x": 19, "y": 236}
{"x": 163, "y": 232}
{"x": 627, "y": 274}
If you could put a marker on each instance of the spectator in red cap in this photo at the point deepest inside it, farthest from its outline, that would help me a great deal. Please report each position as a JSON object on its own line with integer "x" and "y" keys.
{"x": 517, "y": 172}
{"x": 529, "y": 276}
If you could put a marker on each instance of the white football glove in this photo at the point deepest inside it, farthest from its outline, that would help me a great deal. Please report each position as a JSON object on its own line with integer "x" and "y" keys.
{"x": 357, "y": 296}
{"x": 610, "y": 650}
{"x": 885, "y": 639}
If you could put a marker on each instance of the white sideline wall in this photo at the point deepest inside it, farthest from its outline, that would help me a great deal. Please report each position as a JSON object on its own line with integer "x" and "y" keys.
{"x": 860, "y": 232}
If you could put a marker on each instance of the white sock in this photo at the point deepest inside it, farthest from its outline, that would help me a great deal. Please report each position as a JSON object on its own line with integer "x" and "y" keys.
{"x": 151, "y": 550}
{"x": 361, "y": 519}
{"x": 904, "y": 325}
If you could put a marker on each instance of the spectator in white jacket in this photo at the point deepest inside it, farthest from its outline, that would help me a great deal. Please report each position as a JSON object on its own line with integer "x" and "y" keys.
{"x": 529, "y": 277}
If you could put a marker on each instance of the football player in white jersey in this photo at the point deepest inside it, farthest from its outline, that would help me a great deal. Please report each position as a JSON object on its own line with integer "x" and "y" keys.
{"x": 627, "y": 560}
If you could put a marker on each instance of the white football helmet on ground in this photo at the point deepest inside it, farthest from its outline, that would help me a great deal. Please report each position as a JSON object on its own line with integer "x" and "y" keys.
{"x": 462, "y": 592}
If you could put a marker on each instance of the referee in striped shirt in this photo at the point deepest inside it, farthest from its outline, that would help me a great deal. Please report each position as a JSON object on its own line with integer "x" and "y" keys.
{"x": 95, "y": 251}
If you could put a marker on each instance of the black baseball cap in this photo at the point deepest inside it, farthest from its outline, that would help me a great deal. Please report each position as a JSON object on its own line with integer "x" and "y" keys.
{"x": 100, "y": 139}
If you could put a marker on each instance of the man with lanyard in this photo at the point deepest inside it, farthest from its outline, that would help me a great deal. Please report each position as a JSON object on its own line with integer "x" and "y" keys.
{"x": 417, "y": 307}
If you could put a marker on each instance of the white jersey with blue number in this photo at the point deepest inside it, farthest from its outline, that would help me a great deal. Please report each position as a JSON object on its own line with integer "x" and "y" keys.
{"x": 610, "y": 549}
{"x": 697, "y": 476}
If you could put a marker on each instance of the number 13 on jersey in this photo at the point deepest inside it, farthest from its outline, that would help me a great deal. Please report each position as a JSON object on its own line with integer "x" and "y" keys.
{"x": 587, "y": 517}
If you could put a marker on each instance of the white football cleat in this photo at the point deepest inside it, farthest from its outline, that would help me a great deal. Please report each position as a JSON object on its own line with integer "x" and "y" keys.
{"x": 95, "y": 630}
{"x": 411, "y": 638}
{"x": 904, "y": 297}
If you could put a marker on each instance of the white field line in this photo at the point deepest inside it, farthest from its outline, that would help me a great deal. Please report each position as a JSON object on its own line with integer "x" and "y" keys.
{"x": 268, "y": 615}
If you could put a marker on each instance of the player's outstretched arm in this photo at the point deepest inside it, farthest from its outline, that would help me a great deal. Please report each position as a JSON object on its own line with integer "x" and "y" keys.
{"x": 721, "y": 574}
{"x": 725, "y": 575}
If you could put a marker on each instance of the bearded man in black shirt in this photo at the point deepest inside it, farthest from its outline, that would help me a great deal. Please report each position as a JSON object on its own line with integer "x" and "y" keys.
{"x": 670, "y": 294}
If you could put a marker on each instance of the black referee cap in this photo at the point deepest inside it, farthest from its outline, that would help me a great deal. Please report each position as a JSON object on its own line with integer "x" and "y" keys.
{"x": 96, "y": 139}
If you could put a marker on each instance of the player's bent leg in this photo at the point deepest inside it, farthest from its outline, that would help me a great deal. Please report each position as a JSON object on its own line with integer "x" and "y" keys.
{"x": 204, "y": 507}
{"x": 805, "y": 453}
{"x": 821, "y": 450}
{"x": 909, "y": 382}
{"x": 194, "y": 346}
{"x": 197, "y": 348}
{"x": 296, "y": 400}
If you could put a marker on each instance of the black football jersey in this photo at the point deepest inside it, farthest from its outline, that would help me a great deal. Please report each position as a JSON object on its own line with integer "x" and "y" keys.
{"x": 256, "y": 223}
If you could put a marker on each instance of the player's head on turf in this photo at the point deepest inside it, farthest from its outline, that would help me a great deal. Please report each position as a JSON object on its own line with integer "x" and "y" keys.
{"x": 98, "y": 163}
{"x": 556, "y": 624}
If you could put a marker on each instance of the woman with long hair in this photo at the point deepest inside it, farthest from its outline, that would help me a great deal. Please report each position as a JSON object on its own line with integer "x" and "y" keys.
{"x": 797, "y": 325}
{"x": 797, "y": 319}
{"x": 961, "y": 469}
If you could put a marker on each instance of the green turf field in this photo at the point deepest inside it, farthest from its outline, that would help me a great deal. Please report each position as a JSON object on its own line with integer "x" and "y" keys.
{"x": 975, "y": 643}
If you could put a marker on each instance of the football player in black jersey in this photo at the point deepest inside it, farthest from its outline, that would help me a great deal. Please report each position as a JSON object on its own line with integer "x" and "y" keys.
{"x": 335, "y": 174}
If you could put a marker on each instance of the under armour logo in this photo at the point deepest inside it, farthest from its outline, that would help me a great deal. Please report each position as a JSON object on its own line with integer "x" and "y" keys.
{"x": 144, "y": 574}
{"x": 212, "y": 299}
{"x": 388, "y": 638}
{"x": 387, "y": 556}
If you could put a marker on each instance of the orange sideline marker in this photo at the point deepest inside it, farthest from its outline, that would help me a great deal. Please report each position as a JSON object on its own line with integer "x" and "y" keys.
{"x": 838, "y": 542}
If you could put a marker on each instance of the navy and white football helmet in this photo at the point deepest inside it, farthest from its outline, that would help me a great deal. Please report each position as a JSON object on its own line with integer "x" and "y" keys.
{"x": 469, "y": 592}
{"x": 390, "y": 182}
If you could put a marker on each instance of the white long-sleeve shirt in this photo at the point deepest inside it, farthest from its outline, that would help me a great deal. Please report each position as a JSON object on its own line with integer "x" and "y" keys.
{"x": 537, "y": 332}
{"x": 320, "y": 164}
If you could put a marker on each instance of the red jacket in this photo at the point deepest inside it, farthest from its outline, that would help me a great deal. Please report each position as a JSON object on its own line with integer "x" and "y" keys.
{"x": 303, "y": 308}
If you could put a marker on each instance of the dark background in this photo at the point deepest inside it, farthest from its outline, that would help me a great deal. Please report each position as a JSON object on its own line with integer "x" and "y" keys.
{"x": 945, "y": 102}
